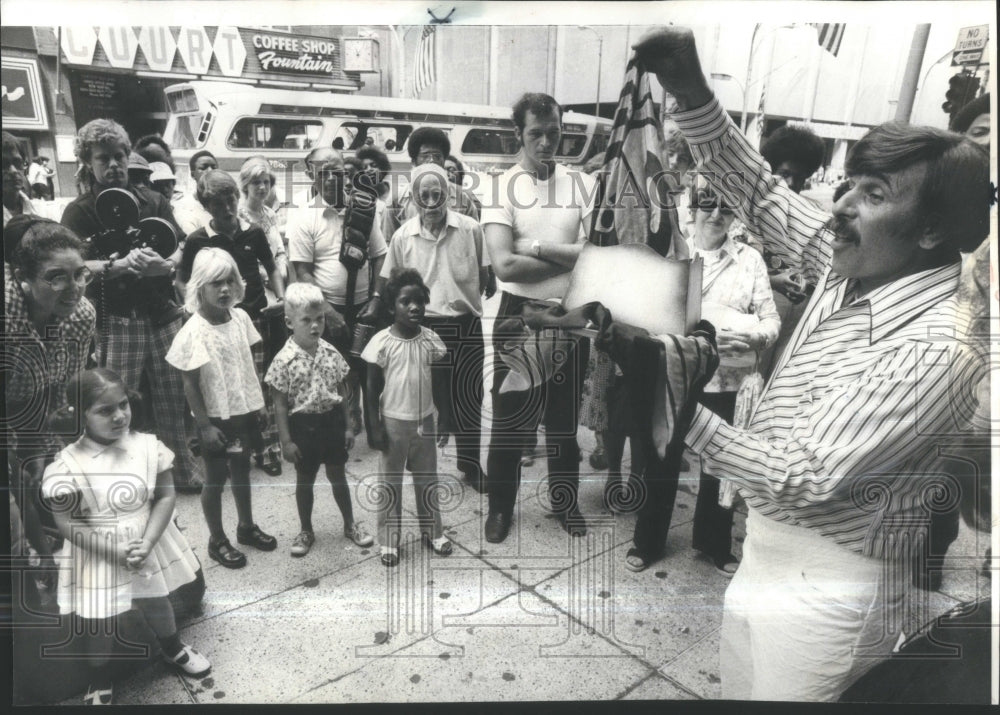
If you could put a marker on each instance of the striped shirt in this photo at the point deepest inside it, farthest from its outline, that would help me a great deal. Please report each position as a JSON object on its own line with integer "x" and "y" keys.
{"x": 845, "y": 437}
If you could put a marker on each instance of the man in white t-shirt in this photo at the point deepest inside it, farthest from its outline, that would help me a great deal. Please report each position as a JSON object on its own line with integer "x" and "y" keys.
{"x": 535, "y": 226}
{"x": 315, "y": 233}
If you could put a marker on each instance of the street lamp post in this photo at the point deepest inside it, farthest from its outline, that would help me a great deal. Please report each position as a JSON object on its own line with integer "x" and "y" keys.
{"x": 600, "y": 57}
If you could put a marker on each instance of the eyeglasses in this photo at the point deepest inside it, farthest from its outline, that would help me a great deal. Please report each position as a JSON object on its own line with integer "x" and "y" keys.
{"x": 61, "y": 281}
{"x": 430, "y": 156}
{"x": 708, "y": 202}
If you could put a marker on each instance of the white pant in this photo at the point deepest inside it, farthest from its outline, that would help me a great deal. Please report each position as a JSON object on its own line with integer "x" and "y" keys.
{"x": 804, "y": 617}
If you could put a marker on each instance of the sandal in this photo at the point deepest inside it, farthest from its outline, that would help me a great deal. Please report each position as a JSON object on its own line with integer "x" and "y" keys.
{"x": 225, "y": 554}
{"x": 635, "y": 561}
{"x": 390, "y": 556}
{"x": 440, "y": 546}
{"x": 99, "y": 696}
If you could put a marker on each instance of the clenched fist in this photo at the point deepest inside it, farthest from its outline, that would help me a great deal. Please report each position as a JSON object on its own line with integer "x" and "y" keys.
{"x": 670, "y": 53}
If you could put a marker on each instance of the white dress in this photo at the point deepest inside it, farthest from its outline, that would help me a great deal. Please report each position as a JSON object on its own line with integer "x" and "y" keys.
{"x": 110, "y": 486}
{"x": 221, "y": 354}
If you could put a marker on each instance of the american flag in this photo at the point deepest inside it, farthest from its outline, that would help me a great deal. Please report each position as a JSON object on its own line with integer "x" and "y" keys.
{"x": 425, "y": 67}
{"x": 830, "y": 36}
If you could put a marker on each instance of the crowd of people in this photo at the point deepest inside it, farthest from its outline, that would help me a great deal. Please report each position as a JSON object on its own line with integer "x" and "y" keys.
{"x": 283, "y": 333}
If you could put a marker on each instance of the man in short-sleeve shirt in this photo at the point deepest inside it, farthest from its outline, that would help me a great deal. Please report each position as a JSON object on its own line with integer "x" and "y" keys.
{"x": 315, "y": 233}
{"x": 534, "y": 236}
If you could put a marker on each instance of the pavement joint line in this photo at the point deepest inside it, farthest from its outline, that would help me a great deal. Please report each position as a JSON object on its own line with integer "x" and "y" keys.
{"x": 678, "y": 655}
{"x": 653, "y": 673}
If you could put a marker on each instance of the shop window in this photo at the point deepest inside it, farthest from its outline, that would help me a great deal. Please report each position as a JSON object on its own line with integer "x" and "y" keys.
{"x": 490, "y": 141}
{"x": 263, "y": 133}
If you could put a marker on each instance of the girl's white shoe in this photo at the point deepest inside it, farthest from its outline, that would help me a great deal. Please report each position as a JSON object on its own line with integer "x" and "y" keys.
{"x": 190, "y": 662}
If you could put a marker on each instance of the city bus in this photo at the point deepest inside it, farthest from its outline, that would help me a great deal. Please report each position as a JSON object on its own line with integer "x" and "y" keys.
{"x": 237, "y": 121}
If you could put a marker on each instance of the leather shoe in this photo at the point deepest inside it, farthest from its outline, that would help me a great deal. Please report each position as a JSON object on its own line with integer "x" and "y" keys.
{"x": 573, "y": 522}
{"x": 225, "y": 554}
{"x": 253, "y": 536}
{"x": 497, "y": 526}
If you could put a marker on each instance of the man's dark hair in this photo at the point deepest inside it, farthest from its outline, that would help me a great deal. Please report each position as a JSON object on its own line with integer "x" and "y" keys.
{"x": 149, "y": 148}
{"x": 11, "y": 148}
{"x": 955, "y": 194}
{"x": 541, "y": 105}
{"x": 796, "y": 144}
{"x": 197, "y": 155}
{"x": 967, "y": 114}
{"x": 377, "y": 156}
{"x": 428, "y": 135}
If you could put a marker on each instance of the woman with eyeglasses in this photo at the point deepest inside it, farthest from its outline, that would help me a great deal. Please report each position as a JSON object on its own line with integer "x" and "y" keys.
{"x": 48, "y": 337}
{"x": 736, "y": 297}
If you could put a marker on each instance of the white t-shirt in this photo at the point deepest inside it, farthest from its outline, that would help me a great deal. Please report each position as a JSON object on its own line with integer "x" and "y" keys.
{"x": 554, "y": 211}
{"x": 221, "y": 354}
{"x": 406, "y": 364}
{"x": 314, "y": 236}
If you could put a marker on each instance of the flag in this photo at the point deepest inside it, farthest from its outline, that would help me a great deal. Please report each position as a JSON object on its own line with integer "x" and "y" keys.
{"x": 425, "y": 66}
{"x": 830, "y": 36}
{"x": 636, "y": 193}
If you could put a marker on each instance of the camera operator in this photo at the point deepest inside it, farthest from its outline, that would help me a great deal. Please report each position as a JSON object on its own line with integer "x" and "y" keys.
{"x": 137, "y": 317}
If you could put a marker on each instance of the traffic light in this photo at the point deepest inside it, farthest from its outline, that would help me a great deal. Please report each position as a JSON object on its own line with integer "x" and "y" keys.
{"x": 962, "y": 89}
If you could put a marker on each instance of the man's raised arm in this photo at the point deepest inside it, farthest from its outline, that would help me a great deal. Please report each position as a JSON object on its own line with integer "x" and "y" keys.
{"x": 791, "y": 226}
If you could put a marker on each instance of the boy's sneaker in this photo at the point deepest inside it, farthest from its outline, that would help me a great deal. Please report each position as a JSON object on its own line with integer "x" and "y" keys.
{"x": 358, "y": 535}
{"x": 303, "y": 542}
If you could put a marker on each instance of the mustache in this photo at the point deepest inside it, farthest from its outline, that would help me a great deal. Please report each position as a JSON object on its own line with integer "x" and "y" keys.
{"x": 842, "y": 229}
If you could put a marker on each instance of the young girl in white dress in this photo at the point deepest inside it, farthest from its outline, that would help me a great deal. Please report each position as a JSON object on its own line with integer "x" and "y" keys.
{"x": 112, "y": 496}
{"x": 212, "y": 351}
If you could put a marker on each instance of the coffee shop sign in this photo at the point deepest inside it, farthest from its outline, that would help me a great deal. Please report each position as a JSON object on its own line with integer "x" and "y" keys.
{"x": 278, "y": 53}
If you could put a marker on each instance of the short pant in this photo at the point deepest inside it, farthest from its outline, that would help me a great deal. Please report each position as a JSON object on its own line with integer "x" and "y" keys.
{"x": 237, "y": 428}
{"x": 320, "y": 439}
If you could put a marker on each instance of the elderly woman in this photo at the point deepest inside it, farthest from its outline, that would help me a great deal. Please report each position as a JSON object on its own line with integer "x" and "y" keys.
{"x": 447, "y": 249}
{"x": 737, "y": 299}
{"x": 256, "y": 182}
{"x": 138, "y": 316}
{"x": 49, "y": 334}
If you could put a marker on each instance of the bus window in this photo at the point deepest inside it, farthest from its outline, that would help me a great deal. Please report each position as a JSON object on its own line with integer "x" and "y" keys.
{"x": 387, "y": 137}
{"x": 600, "y": 142}
{"x": 490, "y": 141}
{"x": 266, "y": 133}
{"x": 572, "y": 145}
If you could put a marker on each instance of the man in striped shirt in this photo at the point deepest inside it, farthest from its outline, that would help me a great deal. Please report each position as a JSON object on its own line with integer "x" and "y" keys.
{"x": 838, "y": 463}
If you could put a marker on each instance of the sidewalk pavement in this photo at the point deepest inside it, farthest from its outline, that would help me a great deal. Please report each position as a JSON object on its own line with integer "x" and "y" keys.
{"x": 542, "y": 616}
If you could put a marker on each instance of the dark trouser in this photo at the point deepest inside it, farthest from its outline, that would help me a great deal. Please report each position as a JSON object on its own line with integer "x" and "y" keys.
{"x": 516, "y": 416}
{"x": 356, "y": 379}
{"x": 660, "y": 477}
{"x": 457, "y": 384}
{"x": 713, "y": 524}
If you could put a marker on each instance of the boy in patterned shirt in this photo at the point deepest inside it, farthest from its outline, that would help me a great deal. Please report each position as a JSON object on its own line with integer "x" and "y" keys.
{"x": 307, "y": 385}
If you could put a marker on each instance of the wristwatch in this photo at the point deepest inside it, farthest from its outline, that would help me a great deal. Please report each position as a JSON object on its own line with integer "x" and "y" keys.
{"x": 536, "y": 248}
